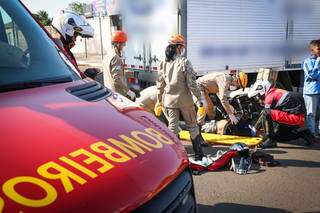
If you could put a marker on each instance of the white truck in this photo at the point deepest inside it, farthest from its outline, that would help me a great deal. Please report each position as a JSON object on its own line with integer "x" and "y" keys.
{"x": 221, "y": 35}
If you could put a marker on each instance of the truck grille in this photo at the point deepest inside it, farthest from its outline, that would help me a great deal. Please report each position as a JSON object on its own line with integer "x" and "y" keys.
{"x": 92, "y": 91}
{"x": 178, "y": 197}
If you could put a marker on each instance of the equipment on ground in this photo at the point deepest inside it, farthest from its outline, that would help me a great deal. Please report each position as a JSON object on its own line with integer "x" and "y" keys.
{"x": 220, "y": 160}
{"x": 238, "y": 158}
{"x": 241, "y": 163}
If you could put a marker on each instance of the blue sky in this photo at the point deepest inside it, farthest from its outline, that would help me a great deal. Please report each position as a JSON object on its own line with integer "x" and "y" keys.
{"x": 51, "y": 6}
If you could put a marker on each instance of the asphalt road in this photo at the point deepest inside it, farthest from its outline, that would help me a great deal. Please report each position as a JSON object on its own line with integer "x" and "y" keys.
{"x": 293, "y": 186}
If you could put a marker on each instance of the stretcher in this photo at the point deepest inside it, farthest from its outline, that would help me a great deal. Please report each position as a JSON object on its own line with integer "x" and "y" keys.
{"x": 224, "y": 139}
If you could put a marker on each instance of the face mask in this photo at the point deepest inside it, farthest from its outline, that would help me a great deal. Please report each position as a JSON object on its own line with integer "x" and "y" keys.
{"x": 232, "y": 88}
{"x": 122, "y": 51}
{"x": 183, "y": 51}
{"x": 119, "y": 48}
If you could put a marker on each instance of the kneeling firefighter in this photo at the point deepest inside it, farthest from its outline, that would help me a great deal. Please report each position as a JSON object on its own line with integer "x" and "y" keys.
{"x": 148, "y": 100}
{"x": 284, "y": 114}
{"x": 176, "y": 84}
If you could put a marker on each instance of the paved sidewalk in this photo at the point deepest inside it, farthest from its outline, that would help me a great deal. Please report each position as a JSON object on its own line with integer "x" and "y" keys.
{"x": 92, "y": 61}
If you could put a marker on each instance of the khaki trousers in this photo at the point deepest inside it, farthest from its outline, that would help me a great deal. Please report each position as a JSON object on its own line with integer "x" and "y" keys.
{"x": 189, "y": 116}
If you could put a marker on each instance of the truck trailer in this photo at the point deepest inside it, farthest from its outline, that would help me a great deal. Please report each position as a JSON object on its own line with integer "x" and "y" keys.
{"x": 221, "y": 35}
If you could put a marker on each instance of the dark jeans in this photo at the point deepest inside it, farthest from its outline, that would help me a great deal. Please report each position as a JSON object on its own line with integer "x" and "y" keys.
{"x": 278, "y": 131}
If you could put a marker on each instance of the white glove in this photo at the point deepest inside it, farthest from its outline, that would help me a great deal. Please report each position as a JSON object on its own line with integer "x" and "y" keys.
{"x": 234, "y": 120}
{"x": 131, "y": 95}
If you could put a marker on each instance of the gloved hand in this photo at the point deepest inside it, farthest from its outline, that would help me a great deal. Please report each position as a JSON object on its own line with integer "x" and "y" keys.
{"x": 234, "y": 120}
{"x": 201, "y": 110}
{"x": 131, "y": 95}
{"x": 158, "y": 109}
{"x": 203, "y": 100}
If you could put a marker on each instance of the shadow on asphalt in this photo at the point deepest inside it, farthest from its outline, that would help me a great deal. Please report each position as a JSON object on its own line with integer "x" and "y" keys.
{"x": 298, "y": 163}
{"x": 274, "y": 151}
{"x": 314, "y": 147}
{"x": 239, "y": 208}
{"x": 298, "y": 144}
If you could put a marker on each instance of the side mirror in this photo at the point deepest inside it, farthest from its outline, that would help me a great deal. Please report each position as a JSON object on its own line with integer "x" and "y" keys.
{"x": 92, "y": 73}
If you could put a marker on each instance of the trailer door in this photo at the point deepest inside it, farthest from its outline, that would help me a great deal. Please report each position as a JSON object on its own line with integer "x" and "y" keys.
{"x": 239, "y": 34}
{"x": 304, "y": 27}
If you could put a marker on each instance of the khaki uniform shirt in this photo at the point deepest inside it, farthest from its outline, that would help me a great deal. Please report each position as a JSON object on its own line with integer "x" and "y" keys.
{"x": 177, "y": 81}
{"x": 114, "y": 75}
{"x": 148, "y": 98}
{"x": 217, "y": 83}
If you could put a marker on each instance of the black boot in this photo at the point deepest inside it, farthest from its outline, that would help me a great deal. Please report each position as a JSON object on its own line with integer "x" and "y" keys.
{"x": 196, "y": 145}
{"x": 268, "y": 143}
{"x": 309, "y": 138}
{"x": 202, "y": 141}
{"x": 269, "y": 139}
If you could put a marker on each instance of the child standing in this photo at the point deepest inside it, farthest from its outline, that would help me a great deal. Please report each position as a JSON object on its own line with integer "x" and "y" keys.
{"x": 311, "y": 89}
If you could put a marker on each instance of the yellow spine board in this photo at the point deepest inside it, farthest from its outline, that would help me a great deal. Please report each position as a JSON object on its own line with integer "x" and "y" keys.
{"x": 223, "y": 139}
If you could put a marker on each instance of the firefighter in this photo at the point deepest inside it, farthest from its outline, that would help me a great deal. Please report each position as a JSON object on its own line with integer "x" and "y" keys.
{"x": 284, "y": 114}
{"x": 219, "y": 83}
{"x": 148, "y": 98}
{"x": 68, "y": 25}
{"x": 176, "y": 84}
{"x": 113, "y": 67}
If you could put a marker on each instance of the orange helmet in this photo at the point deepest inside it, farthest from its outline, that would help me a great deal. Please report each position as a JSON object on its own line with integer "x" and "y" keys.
{"x": 119, "y": 37}
{"x": 177, "y": 39}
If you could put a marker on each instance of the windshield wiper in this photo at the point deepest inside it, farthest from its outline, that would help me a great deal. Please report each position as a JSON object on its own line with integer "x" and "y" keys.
{"x": 34, "y": 84}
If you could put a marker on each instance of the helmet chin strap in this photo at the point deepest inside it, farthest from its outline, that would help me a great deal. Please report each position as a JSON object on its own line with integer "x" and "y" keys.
{"x": 117, "y": 49}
